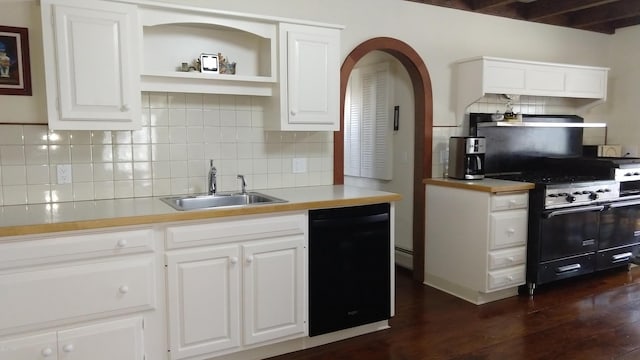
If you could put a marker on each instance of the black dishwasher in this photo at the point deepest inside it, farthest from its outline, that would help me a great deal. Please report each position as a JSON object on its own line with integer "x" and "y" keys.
{"x": 349, "y": 267}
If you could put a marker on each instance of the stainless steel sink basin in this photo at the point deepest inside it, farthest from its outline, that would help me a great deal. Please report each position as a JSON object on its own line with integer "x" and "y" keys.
{"x": 195, "y": 202}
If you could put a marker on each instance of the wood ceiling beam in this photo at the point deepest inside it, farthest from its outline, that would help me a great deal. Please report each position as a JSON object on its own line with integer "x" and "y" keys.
{"x": 547, "y": 8}
{"x": 485, "y": 4}
{"x": 620, "y": 10}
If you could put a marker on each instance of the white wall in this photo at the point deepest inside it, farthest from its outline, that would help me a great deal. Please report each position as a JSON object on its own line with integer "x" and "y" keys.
{"x": 441, "y": 37}
{"x": 624, "y": 90}
{"x": 25, "y": 109}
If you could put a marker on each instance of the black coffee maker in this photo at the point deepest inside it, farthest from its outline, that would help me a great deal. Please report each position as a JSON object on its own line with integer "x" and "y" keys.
{"x": 466, "y": 157}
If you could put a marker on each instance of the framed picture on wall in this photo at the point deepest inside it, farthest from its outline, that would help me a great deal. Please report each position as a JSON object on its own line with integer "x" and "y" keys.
{"x": 15, "y": 72}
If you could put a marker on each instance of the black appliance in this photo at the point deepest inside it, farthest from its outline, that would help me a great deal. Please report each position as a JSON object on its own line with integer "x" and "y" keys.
{"x": 584, "y": 212}
{"x": 466, "y": 157}
{"x": 517, "y": 149}
{"x": 349, "y": 267}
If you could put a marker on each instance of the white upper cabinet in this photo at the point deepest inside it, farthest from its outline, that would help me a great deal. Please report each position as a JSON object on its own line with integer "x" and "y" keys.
{"x": 91, "y": 59}
{"x": 309, "y": 89}
{"x": 587, "y": 85}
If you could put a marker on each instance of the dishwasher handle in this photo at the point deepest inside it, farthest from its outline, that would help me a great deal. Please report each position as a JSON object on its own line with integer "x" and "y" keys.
{"x": 349, "y": 221}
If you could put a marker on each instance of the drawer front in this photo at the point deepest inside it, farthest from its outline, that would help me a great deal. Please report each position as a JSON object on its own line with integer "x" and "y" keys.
{"x": 507, "y": 229}
{"x": 47, "y": 296}
{"x": 505, "y": 278}
{"x": 565, "y": 268}
{"x": 43, "y": 250}
{"x": 501, "y": 202}
{"x": 508, "y": 257}
{"x": 221, "y": 231}
{"x": 617, "y": 257}
{"x": 41, "y": 346}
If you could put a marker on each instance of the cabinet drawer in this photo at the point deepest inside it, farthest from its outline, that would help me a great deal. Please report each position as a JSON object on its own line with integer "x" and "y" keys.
{"x": 43, "y": 250}
{"x": 507, "y": 257}
{"x": 510, "y": 277}
{"x": 45, "y": 296}
{"x": 39, "y": 346}
{"x": 239, "y": 229}
{"x": 509, "y": 201}
{"x": 508, "y": 228}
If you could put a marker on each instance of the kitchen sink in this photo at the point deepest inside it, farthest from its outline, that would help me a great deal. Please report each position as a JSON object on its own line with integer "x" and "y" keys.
{"x": 195, "y": 202}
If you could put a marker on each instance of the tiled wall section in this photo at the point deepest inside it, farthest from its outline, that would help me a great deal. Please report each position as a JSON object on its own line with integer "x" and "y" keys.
{"x": 494, "y": 102}
{"x": 169, "y": 155}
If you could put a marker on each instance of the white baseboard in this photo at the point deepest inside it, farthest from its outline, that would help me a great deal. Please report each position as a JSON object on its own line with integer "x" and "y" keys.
{"x": 404, "y": 258}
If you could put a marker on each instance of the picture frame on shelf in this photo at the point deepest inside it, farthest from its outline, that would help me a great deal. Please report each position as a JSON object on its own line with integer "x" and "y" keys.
{"x": 209, "y": 63}
{"x": 15, "y": 70}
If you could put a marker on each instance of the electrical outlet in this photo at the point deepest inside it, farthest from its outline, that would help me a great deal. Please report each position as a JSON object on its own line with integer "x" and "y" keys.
{"x": 64, "y": 174}
{"x": 299, "y": 165}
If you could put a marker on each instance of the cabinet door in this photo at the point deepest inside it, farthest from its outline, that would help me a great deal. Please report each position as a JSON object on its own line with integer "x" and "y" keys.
{"x": 587, "y": 83}
{"x": 506, "y": 78}
{"x": 92, "y": 65}
{"x": 313, "y": 78}
{"x": 42, "y": 346}
{"x": 121, "y": 339}
{"x": 273, "y": 289}
{"x": 204, "y": 300}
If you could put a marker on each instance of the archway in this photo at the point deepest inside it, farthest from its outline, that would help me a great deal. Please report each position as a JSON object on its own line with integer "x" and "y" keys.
{"x": 421, "y": 83}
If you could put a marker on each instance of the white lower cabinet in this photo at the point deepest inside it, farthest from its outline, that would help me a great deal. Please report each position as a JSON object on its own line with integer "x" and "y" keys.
{"x": 78, "y": 296}
{"x": 242, "y": 289}
{"x": 204, "y": 300}
{"x": 119, "y": 339}
{"x": 475, "y": 242}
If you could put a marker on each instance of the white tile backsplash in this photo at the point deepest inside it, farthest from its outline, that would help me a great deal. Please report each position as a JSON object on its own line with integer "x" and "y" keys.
{"x": 168, "y": 156}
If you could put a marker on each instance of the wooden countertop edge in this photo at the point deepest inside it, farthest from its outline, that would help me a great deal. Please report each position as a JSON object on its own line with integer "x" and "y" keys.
{"x": 188, "y": 215}
{"x": 480, "y": 187}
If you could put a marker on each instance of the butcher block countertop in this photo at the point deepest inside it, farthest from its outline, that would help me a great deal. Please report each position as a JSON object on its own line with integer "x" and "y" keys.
{"x": 84, "y": 215}
{"x": 486, "y": 184}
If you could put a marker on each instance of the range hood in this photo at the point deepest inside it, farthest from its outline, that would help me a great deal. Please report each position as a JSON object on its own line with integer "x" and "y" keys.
{"x": 541, "y": 124}
{"x": 484, "y": 120}
{"x": 584, "y": 86}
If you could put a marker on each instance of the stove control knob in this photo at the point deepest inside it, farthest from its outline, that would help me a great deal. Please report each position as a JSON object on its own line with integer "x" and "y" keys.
{"x": 593, "y": 196}
{"x": 570, "y": 198}
{"x": 553, "y": 195}
{"x": 636, "y": 173}
{"x": 577, "y": 193}
{"x": 628, "y": 174}
{"x": 587, "y": 192}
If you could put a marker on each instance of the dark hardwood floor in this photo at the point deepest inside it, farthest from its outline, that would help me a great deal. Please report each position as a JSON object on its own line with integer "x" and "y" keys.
{"x": 597, "y": 317}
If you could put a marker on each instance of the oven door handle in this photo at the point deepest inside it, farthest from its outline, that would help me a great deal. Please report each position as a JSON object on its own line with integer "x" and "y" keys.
{"x": 568, "y": 268}
{"x": 573, "y": 211}
{"x": 623, "y": 204}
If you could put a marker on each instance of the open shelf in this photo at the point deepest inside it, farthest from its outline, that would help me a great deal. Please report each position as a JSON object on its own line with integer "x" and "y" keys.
{"x": 172, "y": 38}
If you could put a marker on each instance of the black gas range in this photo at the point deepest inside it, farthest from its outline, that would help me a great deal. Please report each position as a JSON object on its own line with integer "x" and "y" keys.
{"x": 584, "y": 216}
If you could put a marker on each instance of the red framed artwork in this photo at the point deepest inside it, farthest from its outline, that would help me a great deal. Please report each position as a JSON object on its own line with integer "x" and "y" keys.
{"x": 15, "y": 73}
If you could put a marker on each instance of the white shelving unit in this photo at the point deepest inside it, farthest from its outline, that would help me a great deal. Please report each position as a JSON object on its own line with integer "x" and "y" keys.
{"x": 172, "y": 37}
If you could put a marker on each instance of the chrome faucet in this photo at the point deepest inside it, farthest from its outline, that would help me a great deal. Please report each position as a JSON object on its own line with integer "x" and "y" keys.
{"x": 243, "y": 184}
{"x": 212, "y": 181}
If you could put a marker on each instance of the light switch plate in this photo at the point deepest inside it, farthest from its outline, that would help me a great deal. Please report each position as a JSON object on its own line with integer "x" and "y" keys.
{"x": 64, "y": 173}
{"x": 299, "y": 165}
